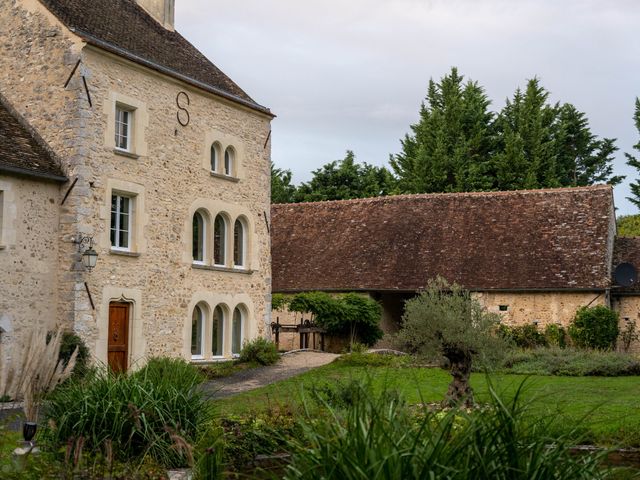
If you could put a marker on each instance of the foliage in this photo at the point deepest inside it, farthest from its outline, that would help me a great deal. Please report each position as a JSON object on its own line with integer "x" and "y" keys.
{"x": 350, "y": 314}
{"x": 523, "y": 336}
{"x": 460, "y": 145}
{"x": 225, "y": 369}
{"x": 446, "y": 320}
{"x": 634, "y": 161}
{"x": 282, "y": 191}
{"x": 570, "y": 362}
{"x": 259, "y": 350}
{"x": 154, "y": 412}
{"x": 629, "y": 335}
{"x": 363, "y": 359}
{"x": 595, "y": 327}
{"x": 376, "y": 436}
{"x": 34, "y": 369}
{"x": 556, "y": 335}
{"x": 245, "y": 436}
{"x": 345, "y": 179}
{"x": 70, "y": 341}
{"x": 628, "y": 225}
{"x": 280, "y": 301}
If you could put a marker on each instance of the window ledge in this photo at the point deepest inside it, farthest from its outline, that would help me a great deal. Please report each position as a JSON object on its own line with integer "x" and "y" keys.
{"x": 229, "y": 178}
{"x": 123, "y": 253}
{"x": 124, "y": 153}
{"x": 210, "y": 361}
{"x": 221, "y": 269}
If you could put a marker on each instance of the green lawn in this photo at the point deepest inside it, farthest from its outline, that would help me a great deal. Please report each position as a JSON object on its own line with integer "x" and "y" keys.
{"x": 606, "y": 410}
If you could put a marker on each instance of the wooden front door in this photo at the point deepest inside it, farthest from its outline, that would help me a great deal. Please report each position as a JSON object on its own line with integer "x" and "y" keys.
{"x": 118, "y": 336}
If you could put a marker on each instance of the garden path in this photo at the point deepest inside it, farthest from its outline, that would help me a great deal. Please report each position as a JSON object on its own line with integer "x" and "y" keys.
{"x": 290, "y": 365}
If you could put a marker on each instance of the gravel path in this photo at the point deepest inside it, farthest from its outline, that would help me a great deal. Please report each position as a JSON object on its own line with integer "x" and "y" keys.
{"x": 290, "y": 365}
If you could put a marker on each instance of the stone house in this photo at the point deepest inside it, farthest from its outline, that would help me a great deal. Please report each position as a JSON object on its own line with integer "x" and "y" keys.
{"x": 531, "y": 256}
{"x": 165, "y": 164}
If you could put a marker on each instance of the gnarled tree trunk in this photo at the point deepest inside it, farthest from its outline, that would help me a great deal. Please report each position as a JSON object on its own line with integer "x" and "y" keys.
{"x": 460, "y": 392}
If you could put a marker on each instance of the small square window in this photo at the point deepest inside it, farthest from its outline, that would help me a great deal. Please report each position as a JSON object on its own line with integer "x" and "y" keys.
{"x": 124, "y": 122}
{"x": 503, "y": 308}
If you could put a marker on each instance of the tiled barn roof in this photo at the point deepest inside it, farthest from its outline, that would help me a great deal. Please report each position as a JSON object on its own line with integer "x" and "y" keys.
{"x": 126, "y": 29}
{"x": 22, "y": 151}
{"x": 537, "y": 239}
{"x": 627, "y": 250}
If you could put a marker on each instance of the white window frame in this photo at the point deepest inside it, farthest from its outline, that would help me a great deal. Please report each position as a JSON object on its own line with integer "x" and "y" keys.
{"x": 117, "y": 225}
{"x": 242, "y": 321}
{"x": 203, "y": 322}
{"x": 243, "y": 265}
{"x": 128, "y": 135}
{"x": 225, "y": 239}
{"x": 203, "y": 234}
{"x": 229, "y": 153}
{"x": 224, "y": 329}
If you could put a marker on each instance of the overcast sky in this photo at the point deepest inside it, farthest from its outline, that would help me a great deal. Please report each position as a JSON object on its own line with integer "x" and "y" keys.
{"x": 351, "y": 74}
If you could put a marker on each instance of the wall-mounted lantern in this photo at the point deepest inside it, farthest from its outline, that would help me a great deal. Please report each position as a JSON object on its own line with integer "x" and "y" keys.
{"x": 89, "y": 255}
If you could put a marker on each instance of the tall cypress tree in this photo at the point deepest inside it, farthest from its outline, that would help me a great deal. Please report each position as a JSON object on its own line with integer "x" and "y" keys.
{"x": 450, "y": 147}
{"x": 634, "y": 161}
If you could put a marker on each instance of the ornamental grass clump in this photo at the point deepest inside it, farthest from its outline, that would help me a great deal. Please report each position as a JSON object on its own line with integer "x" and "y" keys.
{"x": 155, "y": 412}
{"x": 34, "y": 369}
{"x": 378, "y": 437}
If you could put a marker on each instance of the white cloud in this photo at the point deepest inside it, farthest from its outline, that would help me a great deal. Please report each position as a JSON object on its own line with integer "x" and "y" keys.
{"x": 351, "y": 74}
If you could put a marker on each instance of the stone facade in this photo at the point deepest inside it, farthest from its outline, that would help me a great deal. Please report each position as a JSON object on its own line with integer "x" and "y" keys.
{"x": 166, "y": 175}
{"x": 29, "y": 218}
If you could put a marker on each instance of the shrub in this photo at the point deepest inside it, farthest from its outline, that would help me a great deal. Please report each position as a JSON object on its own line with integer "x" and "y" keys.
{"x": 350, "y": 314}
{"x": 71, "y": 341}
{"x": 279, "y": 301}
{"x": 376, "y": 436}
{"x": 155, "y": 411}
{"x": 570, "y": 362}
{"x": 556, "y": 335}
{"x": 524, "y": 336}
{"x": 595, "y": 327}
{"x": 629, "y": 335}
{"x": 260, "y": 351}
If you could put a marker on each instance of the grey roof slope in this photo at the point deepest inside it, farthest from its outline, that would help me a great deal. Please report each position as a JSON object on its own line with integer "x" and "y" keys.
{"x": 22, "y": 150}
{"x": 554, "y": 239}
{"x": 126, "y": 29}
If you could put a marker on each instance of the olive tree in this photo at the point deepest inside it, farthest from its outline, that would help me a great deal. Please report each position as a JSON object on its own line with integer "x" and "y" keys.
{"x": 446, "y": 321}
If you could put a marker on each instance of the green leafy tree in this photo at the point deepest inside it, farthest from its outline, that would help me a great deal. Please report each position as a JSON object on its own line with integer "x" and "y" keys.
{"x": 282, "y": 191}
{"x": 595, "y": 327}
{"x": 634, "y": 161}
{"x": 345, "y": 179}
{"x": 446, "y": 320}
{"x": 629, "y": 226}
{"x": 350, "y": 314}
{"x": 459, "y": 145}
{"x": 451, "y": 145}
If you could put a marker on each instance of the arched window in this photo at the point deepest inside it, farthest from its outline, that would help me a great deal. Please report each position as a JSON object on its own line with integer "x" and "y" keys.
{"x": 237, "y": 331}
{"x": 217, "y": 335}
{"x": 197, "y": 329}
{"x": 239, "y": 244}
{"x": 228, "y": 161}
{"x": 198, "y": 237}
{"x": 215, "y": 157}
{"x": 220, "y": 241}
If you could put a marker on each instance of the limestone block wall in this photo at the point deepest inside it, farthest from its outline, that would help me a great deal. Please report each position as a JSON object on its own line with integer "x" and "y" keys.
{"x": 28, "y": 256}
{"x": 543, "y": 308}
{"x": 168, "y": 177}
{"x": 629, "y": 309}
